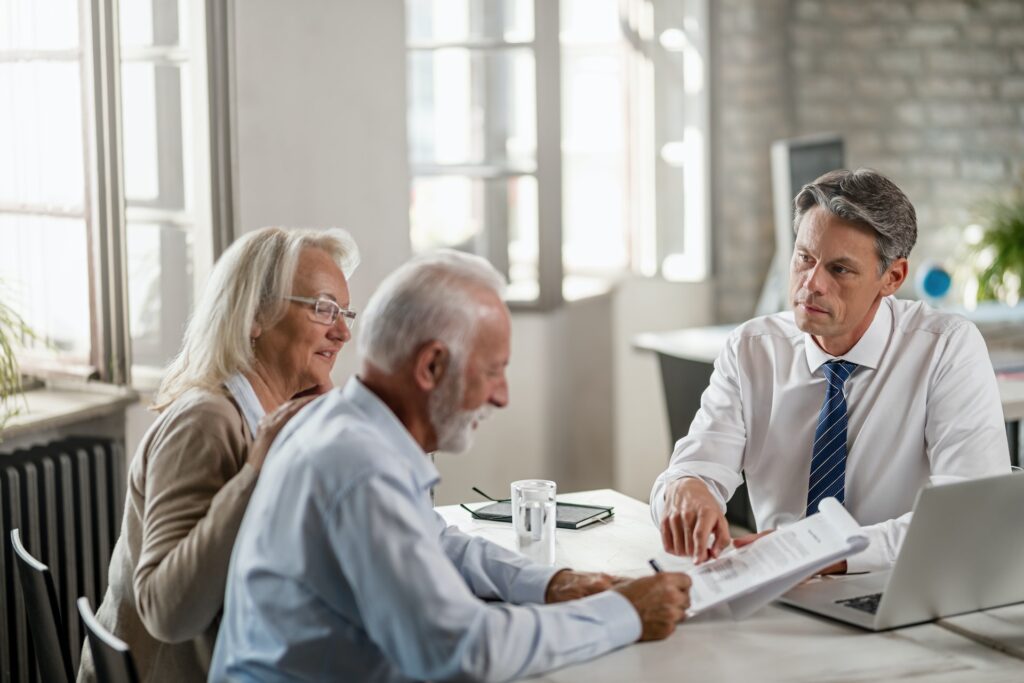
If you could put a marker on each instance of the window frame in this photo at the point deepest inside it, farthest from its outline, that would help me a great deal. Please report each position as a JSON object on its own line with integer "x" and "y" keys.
{"x": 213, "y": 219}
{"x": 493, "y": 242}
{"x": 101, "y": 79}
{"x": 638, "y": 24}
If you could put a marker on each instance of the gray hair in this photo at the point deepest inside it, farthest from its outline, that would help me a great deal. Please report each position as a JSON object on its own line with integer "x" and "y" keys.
{"x": 247, "y": 286}
{"x": 431, "y": 297}
{"x": 869, "y": 198}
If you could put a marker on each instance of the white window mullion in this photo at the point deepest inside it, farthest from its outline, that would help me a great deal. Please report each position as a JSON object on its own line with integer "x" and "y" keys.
{"x": 693, "y": 152}
{"x": 111, "y": 346}
{"x": 549, "y": 152}
{"x": 213, "y": 131}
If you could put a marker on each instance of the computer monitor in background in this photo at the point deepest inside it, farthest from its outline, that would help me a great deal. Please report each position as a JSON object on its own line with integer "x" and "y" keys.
{"x": 795, "y": 163}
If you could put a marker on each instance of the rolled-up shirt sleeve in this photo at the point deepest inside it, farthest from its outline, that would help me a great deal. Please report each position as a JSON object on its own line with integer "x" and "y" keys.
{"x": 417, "y": 608}
{"x": 712, "y": 450}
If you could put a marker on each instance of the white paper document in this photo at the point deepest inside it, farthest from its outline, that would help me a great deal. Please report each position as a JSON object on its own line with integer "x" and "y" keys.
{"x": 754, "y": 575}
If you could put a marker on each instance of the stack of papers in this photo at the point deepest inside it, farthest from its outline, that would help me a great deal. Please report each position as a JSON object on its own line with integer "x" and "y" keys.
{"x": 752, "y": 576}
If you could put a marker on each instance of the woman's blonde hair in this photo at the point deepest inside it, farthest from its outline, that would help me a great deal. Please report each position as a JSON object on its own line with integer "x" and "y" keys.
{"x": 247, "y": 286}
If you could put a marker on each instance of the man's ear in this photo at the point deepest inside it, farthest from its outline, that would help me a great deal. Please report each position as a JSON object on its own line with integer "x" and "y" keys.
{"x": 895, "y": 276}
{"x": 431, "y": 365}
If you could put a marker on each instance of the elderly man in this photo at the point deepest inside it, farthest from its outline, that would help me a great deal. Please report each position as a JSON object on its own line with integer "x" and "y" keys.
{"x": 342, "y": 569}
{"x": 854, "y": 394}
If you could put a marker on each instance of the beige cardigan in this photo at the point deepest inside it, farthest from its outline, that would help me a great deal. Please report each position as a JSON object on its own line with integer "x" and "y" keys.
{"x": 188, "y": 486}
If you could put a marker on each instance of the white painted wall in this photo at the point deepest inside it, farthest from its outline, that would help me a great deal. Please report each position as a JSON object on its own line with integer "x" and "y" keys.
{"x": 642, "y": 439}
{"x": 320, "y": 126}
{"x": 517, "y": 442}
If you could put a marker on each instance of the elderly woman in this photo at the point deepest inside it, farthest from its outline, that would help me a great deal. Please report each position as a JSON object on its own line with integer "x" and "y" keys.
{"x": 268, "y": 328}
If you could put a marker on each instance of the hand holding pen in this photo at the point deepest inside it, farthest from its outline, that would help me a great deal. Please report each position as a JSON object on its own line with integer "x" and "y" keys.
{"x": 660, "y": 600}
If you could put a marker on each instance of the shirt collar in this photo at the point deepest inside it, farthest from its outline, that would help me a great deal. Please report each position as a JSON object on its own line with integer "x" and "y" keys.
{"x": 423, "y": 471}
{"x": 867, "y": 351}
{"x": 245, "y": 397}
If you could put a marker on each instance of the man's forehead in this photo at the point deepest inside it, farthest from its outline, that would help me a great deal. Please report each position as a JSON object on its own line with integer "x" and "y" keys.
{"x": 493, "y": 329}
{"x": 820, "y": 228}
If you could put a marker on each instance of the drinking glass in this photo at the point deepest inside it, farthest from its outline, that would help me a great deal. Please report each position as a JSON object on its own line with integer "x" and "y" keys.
{"x": 533, "y": 519}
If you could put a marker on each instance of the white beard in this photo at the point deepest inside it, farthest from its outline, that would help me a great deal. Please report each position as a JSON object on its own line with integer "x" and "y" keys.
{"x": 454, "y": 427}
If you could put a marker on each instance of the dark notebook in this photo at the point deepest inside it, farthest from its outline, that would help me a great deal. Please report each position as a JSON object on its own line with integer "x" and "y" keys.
{"x": 567, "y": 515}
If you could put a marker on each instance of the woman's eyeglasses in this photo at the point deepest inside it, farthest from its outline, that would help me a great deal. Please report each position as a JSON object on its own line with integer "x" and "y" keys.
{"x": 325, "y": 311}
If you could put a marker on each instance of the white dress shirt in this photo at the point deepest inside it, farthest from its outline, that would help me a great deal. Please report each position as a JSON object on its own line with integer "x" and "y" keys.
{"x": 343, "y": 571}
{"x": 923, "y": 407}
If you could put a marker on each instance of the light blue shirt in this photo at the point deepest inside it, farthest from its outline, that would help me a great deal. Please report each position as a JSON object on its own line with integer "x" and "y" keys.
{"x": 342, "y": 570}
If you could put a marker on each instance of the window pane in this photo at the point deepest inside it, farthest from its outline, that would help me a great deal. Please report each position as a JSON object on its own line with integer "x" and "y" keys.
{"x": 159, "y": 290}
{"x": 590, "y": 21}
{"x": 472, "y": 107}
{"x": 44, "y": 271}
{"x": 153, "y": 99}
{"x": 453, "y": 211}
{"x": 457, "y": 21}
{"x": 523, "y": 249}
{"x": 595, "y": 161}
{"x": 38, "y": 24}
{"x": 153, "y": 23}
{"x": 446, "y": 211}
{"x": 41, "y": 134}
{"x": 595, "y": 238}
{"x": 138, "y": 106}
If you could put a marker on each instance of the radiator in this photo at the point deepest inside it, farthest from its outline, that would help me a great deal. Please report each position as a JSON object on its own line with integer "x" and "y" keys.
{"x": 67, "y": 499}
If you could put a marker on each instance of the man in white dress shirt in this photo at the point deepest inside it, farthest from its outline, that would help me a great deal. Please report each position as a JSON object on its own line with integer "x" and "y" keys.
{"x": 854, "y": 394}
{"x": 343, "y": 571}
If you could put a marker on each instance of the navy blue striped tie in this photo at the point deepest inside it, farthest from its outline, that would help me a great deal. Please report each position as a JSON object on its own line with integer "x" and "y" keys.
{"x": 828, "y": 460}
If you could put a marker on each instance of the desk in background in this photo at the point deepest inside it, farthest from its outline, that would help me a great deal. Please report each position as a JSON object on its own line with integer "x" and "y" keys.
{"x": 775, "y": 644}
{"x": 687, "y": 358}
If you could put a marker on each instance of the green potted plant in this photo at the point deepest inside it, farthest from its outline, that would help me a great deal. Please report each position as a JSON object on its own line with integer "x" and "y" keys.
{"x": 1000, "y": 249}
{"x": 13, "y": 332}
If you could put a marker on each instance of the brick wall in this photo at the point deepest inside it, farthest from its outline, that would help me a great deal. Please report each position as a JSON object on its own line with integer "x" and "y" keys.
{"x": 751, "y": 107}
{"x": 929, "y": 92}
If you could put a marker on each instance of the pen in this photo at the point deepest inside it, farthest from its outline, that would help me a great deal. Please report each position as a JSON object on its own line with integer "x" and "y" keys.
{"x": 654, "y": 565}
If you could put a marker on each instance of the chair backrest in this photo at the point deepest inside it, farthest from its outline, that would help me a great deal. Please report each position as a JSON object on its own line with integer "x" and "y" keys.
{"x": 110, "y": 654}
{"x": 41, "y": 605}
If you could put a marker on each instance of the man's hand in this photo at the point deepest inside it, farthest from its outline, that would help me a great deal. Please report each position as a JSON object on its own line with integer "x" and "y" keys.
{"x": 750, "y": 538}
{"x": 837, "y": 568}
{"x": 661, "y": 601}
{"x": 570, "y": 585}
{"x": 691, "y": 515}
{"x": 269, "y": 428}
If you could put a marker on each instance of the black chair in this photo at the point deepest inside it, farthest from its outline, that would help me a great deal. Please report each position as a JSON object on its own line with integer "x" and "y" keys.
{"x": 41, "y": 605}
{"x": 110, "y": 655}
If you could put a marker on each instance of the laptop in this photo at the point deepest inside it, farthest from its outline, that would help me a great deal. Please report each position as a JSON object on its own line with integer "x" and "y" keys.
{"x": 963, "y": 552}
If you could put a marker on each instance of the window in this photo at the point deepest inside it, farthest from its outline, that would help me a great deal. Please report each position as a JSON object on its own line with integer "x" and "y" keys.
{"x": 105, "y": 179}
{"x": 166, "y": 209}
{"x": 560, "y": 138}
{"x": 473, "y": 132}
{"x": 44, "y": 218}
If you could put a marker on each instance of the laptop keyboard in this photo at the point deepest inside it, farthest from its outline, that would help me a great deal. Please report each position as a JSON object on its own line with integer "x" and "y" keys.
{"x": 865, "y": 603}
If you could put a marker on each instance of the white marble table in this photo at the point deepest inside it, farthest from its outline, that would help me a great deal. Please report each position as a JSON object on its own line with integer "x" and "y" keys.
{"x": 776, "y": 644}
{"x": 1001, "y": 628}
